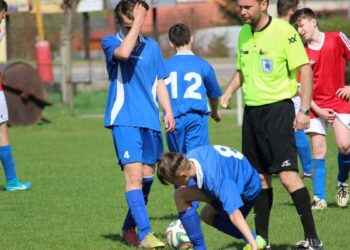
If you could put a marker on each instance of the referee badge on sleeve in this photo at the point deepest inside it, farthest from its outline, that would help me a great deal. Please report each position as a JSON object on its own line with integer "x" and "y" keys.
{"x": 267, "y": 65}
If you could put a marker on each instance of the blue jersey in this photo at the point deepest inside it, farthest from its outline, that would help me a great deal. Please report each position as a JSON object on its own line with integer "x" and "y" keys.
{"x": 226, "y": 175}
{"x": 190, "y": 82}
{"x": 132, "y": 92}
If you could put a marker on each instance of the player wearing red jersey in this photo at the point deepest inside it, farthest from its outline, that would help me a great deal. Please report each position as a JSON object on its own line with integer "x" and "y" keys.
{"x": 329, "y": 53}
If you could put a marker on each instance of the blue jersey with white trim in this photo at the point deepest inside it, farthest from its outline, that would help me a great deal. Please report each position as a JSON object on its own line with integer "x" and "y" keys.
{"x": 225, "y": 174}
{"x": 191, "y": 81}
{"x": 131, "y": 97}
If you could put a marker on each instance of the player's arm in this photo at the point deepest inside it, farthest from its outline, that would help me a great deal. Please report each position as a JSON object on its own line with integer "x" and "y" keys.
{"x": 324, "y": 113}
{"x": 163, "y": 98}
{"x": 123, "y": 52}
{"x": 213, "y": 91}
{"x": 240, "y": 223}
{"x": 344, "y": 93}
{"x": 231, "y": 201}
{"x": 234, "y": 84}
{"x": 302, "y": 119}
{"x": 214, "y": 103}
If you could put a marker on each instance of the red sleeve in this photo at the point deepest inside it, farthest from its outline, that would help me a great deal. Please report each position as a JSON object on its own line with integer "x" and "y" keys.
{"x": 346, "y": 44}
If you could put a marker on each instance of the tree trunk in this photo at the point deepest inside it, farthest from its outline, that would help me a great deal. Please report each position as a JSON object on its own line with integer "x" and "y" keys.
{"x": 66, "y": 83}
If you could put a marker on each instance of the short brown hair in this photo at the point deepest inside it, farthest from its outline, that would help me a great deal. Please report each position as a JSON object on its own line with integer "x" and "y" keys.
{"x": 169, "y": 166}
{"x": 126, "y": 8}
{"x": 301, "y": 14}
{"x": 283, "y": 6}
{"x": 179, "y": 34}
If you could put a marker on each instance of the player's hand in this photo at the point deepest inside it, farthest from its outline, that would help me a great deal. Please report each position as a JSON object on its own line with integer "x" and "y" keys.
{"x": 327, "y": 114}
{"x": 225, "y": 100}
{"x": 169, "y": 122}
{"x": 216, "y": 116}
{"x": 344, "y": 93}
{"x": 301, "y": 121}
{"x": 139, "y": 13}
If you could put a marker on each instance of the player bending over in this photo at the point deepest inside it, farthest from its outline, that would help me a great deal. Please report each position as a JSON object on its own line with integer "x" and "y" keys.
{"x": 225, "y": 180}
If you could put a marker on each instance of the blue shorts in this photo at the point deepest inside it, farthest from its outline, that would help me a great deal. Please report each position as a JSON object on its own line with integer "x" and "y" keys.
{"x": 134, "y": 144}
{"x": 191, "y": 132}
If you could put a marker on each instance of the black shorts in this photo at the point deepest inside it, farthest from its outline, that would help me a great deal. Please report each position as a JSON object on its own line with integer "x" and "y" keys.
{"x": 268, "y": 137}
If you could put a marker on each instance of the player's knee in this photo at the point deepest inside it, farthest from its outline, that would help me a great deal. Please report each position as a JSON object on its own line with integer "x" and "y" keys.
{"x": 265, "y": 180}
{"x": 290, "y": 180}
{"x": 208, "y": 214}
{"x": 344, "y": 148}
{"x": 319, "y": 150}
{"x": 133, "y": 180}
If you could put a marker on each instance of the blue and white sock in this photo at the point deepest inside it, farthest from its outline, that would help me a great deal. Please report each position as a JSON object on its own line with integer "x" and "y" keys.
{"x": 8, "y": 162}
{"x": 304, "y": 151}
{"x": 129, "y": 221}
{"x": 344, "y": 167}
{"x": 138, "y": 210}
{"x": 319, "y": 178}
{"x": 192, "y": 224}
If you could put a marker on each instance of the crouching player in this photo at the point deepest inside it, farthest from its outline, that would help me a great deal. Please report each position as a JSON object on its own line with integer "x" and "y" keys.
{"x": 225, "y": 180}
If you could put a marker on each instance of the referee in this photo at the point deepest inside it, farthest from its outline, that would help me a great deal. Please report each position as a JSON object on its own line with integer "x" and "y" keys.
{"x": 269, "y": 52}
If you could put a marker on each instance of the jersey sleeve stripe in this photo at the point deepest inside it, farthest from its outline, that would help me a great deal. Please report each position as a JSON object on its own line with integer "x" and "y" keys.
{"x": 345, "y": 40}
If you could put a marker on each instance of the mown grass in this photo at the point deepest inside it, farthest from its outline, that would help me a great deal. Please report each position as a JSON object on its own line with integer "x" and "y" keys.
{"x": 77, "y": 200}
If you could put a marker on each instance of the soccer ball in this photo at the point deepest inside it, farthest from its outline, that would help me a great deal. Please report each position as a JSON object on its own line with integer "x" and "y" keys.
{"x": 176, "y": 236}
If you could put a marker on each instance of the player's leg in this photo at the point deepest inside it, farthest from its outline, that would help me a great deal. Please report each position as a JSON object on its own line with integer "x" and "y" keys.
{"x": 128, "y": 146}
{"x": 197, "y": 131}
{"x": 176, "y": 138}
{"x": 285, "y": 164}
{"x": 304, "y": 152}
{"x": 6, "y": 156}
{"x": 302, "y": 143}
{"x": 342, "y": 136}
{"x": 317, "y": 132}
{"x": 188, "y": 215}
{"x": 319, "y": 149}
{"x": 254, "y": 147}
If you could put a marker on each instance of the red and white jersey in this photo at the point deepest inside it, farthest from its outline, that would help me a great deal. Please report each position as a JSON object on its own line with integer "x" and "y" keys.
{"x": 329, "y": 65}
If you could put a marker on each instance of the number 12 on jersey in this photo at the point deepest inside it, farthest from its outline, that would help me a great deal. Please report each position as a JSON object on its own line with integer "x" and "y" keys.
{"x": 193, "y": 82}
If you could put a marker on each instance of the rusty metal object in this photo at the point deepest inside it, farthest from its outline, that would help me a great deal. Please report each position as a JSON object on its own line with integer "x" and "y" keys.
{"x": 25, "y": 94}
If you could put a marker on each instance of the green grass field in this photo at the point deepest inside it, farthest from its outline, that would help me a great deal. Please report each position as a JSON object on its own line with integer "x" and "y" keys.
{"x": 77, "y": 200}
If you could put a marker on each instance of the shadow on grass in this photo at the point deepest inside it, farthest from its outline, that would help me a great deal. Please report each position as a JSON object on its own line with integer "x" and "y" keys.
{"x": 331, "y": 205}
{"x": 118, "y": 238}
{"x": 115, "y": 237}
{"x": 164, "y": 217}
{"x": 239, "y": 246}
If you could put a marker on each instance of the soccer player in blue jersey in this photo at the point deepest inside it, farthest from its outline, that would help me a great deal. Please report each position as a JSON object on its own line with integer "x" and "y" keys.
{"x": 191, "y": 82}
{"x": 225, "y": 180}
{"x": 136, "y": 71}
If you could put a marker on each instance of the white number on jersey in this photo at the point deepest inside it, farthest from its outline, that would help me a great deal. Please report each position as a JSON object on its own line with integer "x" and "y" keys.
{"x": 190, "y": 92}
{"x": 228, "y": 152}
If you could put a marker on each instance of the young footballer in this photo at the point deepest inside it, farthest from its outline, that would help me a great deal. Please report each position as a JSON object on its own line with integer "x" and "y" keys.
{"x": 6, "y": 157}
{"x": 224, "y": 179}
{"x": 328, "y": 53}
{"x": 191, "y": 83}
{"x": 285, "y": 9}
{"x": 136, "y": 72}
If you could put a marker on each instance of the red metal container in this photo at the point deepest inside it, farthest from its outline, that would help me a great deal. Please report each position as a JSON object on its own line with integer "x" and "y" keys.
{"x": 44, "y": 61}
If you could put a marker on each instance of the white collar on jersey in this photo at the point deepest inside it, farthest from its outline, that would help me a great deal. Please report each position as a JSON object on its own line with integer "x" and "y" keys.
{"x": 320, "y": 45}
{"x": 199, "y": 172}
{"x": 121, "y": 37}
{"x": 184, "y": 52}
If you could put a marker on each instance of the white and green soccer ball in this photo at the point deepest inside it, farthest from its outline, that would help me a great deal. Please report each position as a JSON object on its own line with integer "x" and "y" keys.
{"x": 176, "y": 236}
